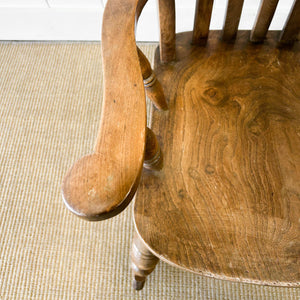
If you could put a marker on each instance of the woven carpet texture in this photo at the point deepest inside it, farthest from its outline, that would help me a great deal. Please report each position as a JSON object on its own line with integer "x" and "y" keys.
{"x": 50, "y": 97}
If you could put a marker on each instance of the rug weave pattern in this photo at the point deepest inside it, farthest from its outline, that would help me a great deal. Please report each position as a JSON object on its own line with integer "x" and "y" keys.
{"x": 50, "y": 109}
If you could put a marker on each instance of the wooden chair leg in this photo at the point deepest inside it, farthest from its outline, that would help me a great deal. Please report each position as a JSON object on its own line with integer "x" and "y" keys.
{"x": 153, "y": 155}
{"x": 152, "y": 86}
{"x": 143, "y": 262}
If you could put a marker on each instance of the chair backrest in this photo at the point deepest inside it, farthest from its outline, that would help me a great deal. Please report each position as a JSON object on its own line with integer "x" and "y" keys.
{"x": 203, "y": 12}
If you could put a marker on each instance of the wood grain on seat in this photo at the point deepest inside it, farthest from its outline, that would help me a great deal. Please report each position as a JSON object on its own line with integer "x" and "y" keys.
{"x": 226, "y": 203}
{"x": 221, "y": 196}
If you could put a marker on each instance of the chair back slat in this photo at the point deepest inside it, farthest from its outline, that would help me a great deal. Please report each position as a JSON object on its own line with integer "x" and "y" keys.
{"x": 203, "y": 12}
{"x": 233, "y": 15}
{"x": 263, "y": 20}
{"x": 167, "y": 30}
{"x": 291, "y": 29}
{"x": 202, "y": 20}
{"x": 139, "y": 8}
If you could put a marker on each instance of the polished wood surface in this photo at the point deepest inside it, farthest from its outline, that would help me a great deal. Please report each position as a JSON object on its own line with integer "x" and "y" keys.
{"x": 202, "y": 20}
{"x": 226, "y": 203}
{"x": 291, "y": 28}
{"x": 263, "y": 20}
{"x": 102, "y": 184}
{"x": 232, "y": 19}
{"x": 219, "y": 195}
{"x": 140, "y": 6}
{"x": 152, "y": 86}
{"x": 167, "y": 30}
{"x": 153, "y": 155}
{"x": 143, "y": 262}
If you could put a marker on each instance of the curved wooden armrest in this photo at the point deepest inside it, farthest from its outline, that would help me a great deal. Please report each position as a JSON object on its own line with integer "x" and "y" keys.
{"x": 102, "y": 184}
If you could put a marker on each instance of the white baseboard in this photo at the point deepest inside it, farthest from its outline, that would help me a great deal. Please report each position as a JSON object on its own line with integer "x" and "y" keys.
{"x": 50, "y": 24}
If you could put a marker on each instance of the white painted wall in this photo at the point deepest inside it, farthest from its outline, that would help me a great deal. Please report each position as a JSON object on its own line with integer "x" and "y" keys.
{"x": 81, "y": 19}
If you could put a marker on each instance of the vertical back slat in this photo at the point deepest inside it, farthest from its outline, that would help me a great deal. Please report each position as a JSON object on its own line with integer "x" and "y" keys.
{"x": 167, "y": 30}
{"x": 233, "y": 15}
{"x": 202, "y": 20}
{"x": 291, "y": 28}
{"x": 139, "y": 8}
{"x": 263, "y": 20}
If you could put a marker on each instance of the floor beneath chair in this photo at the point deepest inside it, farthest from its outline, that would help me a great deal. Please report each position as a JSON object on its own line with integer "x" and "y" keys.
{"x": 50, "y": 108}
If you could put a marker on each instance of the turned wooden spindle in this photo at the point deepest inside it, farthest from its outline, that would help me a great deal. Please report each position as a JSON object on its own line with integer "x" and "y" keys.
{"x": 232, "y": 20}
{"x": 153, "y": 155}
{"x": 167, "y": 26}
{"x": 202, "y": 20}
{"x": 143, "y": 262}
{"x": 263, "y": 20}
{"x": 152, "y": 86}
{"x": 291, "y": 28}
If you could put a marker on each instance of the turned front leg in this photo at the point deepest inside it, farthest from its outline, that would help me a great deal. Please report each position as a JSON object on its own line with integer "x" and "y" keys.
{"x": 143, "y": 262}
{"x": 153, "y": 154}
{"x": 152, "y": 86}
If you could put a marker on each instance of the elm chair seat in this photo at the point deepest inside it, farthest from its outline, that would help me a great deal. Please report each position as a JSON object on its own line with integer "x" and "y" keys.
{"x": 216, "y": 177}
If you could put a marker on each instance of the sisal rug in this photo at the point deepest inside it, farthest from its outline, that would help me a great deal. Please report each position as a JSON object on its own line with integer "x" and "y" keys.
{"x": 50, "y": 109}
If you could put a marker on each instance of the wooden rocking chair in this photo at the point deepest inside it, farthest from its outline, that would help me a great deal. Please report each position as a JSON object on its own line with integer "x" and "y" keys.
{"x": 220, "y": 195}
